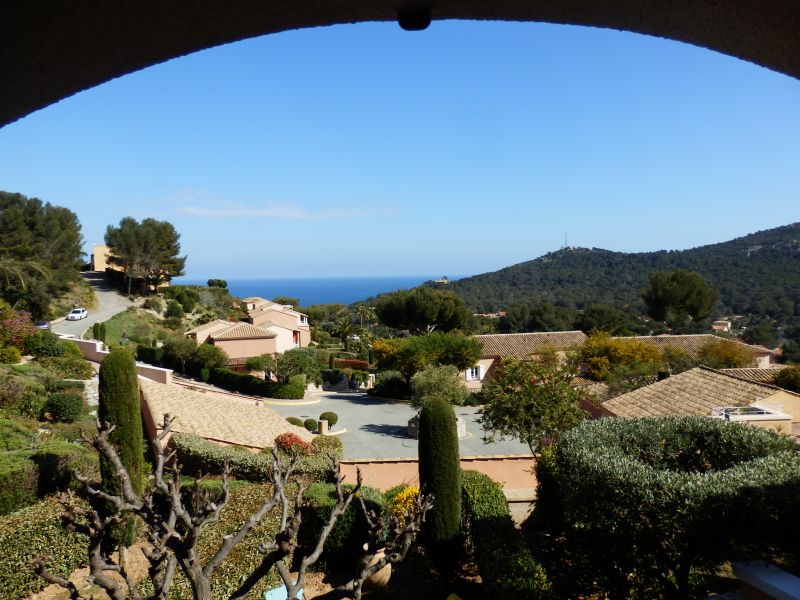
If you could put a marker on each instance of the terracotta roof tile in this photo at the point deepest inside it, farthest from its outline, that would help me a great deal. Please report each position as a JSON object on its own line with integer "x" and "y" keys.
{"x": 523, "y": 345}
{"x": 693, "y": 392}
{"x": 756, "y": 375}
{"x": 244, "y": 331}
{"x": 215, "y": 324}
{"x": 220, "y": 419}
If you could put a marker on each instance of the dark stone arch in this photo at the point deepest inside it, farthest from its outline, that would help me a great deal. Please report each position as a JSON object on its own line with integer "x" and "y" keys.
{"x": 52, "y": 49}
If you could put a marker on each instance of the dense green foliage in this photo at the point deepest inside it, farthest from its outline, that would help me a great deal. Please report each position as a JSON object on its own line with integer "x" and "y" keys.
{"x": 148, "y": 252}
{"x": 120, "y": 406}
{"x": 198, "y": 457}
{"x": 40, "y": 252}
{"x": 789, "y": 378}
{"x": 507, "y": 567}
{"x": 391, "y": 384}
{"x": 422, "y": 310}
{"x": 331, "y": 417}
{"x": 18, "y": 481}
{"x": 32, "y": 532}
{"x": 602, "y": 354}
{"x": 755, "y": 274}
{"x": 64, "y": 406}
{"x": 412, "y": 354}
{"x": 643, "y": 502}
{"x": 723, "y": 354}
{"x": 440, "y": 476}
{"x": 350, "y": 532}
{"x": 294, "y": 389}
{"x": 443, "y": 383}
{"x": 311, "y": 425}
{"x": 295, "y": 421}
{"x": 530, "y": 401}
{"x": 678, "y": 295}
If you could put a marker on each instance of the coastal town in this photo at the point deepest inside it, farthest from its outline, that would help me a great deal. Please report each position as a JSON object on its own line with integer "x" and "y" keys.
{"x": 451, "y": 301}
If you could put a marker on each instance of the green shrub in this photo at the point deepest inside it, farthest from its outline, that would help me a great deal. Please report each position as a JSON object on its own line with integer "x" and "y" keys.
{"x": 150, "y": 355}
{"x": 318, "y": 466}
{"x": 174, "y": 310}
{"x": 344, "y": 543}
{"x": 64, "y": 406}
{"x": 69, "y": 349}
{"x": 199, "y": 457}
{"x": 67, "y": 367}
{"x": 18, "y": 481}
{"x": 331, "y": 417}
{"x": 31, "y": 532}
{"x": 62, "y": 385}
{"x": 644, "y": 501}
{"x": 391, "y": 384}
{"x": 438, "y": 382}
{"x": 16, "y": 435}
{"x": 507, "y": 568}
{"x": 789, "y": 379}
{"x": 154, "y": 303}
{"x": 311, "y": 425}
{"x": 57, "y": 460}
{"x": 295, "y": 421}
{"x": 439, "y": 475}
{"x": 332, "y": 376}
{"x": 10, "y": 355}
{"x": 255, "y": 386}
{"x": 44, "y": 343}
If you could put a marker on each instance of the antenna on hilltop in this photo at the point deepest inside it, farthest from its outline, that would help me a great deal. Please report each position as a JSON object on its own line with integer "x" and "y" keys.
{"x": 566, "y": 245}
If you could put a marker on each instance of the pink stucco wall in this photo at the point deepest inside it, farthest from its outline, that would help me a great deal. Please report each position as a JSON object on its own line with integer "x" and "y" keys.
{"x": 247, "y": 348}
{"x": 93, "y": 351}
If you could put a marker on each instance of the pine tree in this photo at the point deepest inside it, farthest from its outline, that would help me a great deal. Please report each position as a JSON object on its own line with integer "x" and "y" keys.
{"x": 440, "y": 476}
{"x": 119, "y": 405}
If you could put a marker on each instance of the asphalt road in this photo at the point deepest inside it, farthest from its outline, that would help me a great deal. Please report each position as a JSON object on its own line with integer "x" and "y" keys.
{"x": 377, "y": 428}
{"x": 109, "y": 303}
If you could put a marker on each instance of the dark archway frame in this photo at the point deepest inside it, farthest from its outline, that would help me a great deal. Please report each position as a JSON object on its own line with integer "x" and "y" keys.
{"x": 50, "y": 50}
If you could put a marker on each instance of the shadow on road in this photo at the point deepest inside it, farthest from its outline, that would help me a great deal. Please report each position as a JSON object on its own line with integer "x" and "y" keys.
{"x": 98, "y": 281}
{"x": 395, "y": 431}
{"x": 359, "y": 398}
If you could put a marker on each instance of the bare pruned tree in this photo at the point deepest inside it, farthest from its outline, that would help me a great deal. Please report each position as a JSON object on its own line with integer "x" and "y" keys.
{"x": 174, "y": 521}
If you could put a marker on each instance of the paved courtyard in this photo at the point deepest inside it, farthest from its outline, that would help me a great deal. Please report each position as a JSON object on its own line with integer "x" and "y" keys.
{"x": 377, "y": 428}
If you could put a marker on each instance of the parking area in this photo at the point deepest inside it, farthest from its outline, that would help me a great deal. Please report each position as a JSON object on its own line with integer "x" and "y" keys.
{"x": 377, "y": 428}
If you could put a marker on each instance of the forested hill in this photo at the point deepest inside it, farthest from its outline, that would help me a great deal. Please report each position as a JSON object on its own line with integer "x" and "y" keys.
{"x": 758, "y": 273}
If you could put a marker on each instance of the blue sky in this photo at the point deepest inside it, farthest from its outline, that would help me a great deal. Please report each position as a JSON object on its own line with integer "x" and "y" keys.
{"x": 366, "y": 150}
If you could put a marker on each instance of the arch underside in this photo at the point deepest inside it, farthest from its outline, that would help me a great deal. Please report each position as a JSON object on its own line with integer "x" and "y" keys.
{"x": 51, "y": 50}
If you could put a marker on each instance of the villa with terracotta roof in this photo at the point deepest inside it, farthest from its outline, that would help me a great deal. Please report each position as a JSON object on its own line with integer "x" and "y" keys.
{"x": 525, "y": 346}
{"x": 291, "y": 326}
{"x": 239, "y": 340}
{"x": 708, "y": 392}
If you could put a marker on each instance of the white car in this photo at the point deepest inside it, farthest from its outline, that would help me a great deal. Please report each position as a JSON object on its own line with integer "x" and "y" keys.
{"x": 76, "y": 314}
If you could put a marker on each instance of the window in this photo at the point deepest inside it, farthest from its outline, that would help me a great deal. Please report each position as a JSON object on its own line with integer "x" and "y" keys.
{"x": 474, "y": 373}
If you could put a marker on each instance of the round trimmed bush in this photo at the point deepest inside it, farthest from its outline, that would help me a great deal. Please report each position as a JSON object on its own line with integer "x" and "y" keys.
{"x": 64, "y": 407}
{"x": 331, "y": 417}
{"x": 643, "y": 501}
{"x": 295, "y": 421}
{"x": 311, "y": 425}
{"x": 9, "y": 355}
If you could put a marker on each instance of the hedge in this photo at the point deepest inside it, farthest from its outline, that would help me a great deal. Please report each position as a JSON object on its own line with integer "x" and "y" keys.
{"x": 347, "y": 363}
{"x": 255, "y": 386}
{"x": 32, "y": 532}
{"x": 149, "y": 355}
{"x": 644, "y": 501}
{"x": 18, "y": 481}
{"x": 69, "y": 367}
{"x": 344, "y": 544}
{"x": 198, "y": 457}
{"x": 506, "y": 566}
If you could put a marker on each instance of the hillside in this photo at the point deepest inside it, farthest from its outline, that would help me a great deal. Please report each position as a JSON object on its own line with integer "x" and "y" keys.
{"x": 758, "y": 273}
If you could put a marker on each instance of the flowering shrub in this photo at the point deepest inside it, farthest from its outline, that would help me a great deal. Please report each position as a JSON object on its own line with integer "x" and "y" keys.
{"x": 402, "y": 503}
{"x": 291, "y": 442}
{"x": 344, "y": 363}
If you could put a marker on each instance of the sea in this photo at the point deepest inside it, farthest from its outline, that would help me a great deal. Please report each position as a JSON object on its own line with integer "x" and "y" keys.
{"x": 318, "y": 290}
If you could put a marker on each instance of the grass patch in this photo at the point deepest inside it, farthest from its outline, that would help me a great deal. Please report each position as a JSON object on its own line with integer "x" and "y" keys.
{"x": 140, "y": 326}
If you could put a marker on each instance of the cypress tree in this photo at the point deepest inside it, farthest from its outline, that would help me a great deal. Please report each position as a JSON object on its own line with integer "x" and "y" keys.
{"x": 119, "y": 405}
{"x": 440, "y": 475}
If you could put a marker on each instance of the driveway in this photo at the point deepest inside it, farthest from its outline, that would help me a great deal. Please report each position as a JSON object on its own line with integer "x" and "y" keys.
{"x": 377, "y": 428}
{"x": 109, "y": 303}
